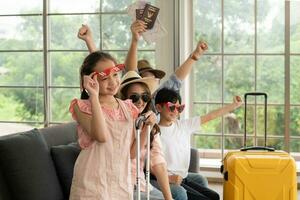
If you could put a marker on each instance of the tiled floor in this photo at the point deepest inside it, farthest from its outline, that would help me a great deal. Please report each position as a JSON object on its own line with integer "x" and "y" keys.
{"x": 218, "y": 187}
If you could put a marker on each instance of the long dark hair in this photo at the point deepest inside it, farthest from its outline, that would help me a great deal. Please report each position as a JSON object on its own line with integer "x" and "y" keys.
{"x": 155, "y": 129}
{"x": 88, "y": 66}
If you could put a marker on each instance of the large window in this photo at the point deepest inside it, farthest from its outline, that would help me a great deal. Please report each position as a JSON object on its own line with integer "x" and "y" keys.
{"x": 40, "y": 55}
{"x": 254, "y": 45}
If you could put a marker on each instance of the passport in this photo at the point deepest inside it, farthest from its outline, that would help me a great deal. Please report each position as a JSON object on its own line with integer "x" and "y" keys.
{"x": 149, "y": 15}
{"x": 139, "y": 13}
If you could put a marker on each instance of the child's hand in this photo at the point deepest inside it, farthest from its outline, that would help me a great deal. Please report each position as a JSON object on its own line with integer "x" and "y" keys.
{"x": 175, "y": 179}
{"x": 84, "y": 33}
{"x": 151, "y": 118}
{"x": 137, "y": 28}
{"x": 237, "y": 101}
{"x": 200, "y": 49}
{"x": 90, "y": 83}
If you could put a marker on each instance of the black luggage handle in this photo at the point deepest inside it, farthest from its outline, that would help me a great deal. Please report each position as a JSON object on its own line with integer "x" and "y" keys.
{"x": 245, "y": 114}
{"x": 258, "y": 148}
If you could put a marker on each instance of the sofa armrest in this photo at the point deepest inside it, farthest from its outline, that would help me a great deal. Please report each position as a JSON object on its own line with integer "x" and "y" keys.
{"x": 194, "y": 161}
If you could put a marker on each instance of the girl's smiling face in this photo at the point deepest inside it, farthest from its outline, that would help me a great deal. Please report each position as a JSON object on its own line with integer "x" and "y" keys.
{"x": 108, "y": 85}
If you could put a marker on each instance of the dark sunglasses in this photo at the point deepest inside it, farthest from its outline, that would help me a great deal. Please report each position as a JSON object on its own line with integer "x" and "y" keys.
{"x": 136, "y": 97}
{"x": 171, "y": 107}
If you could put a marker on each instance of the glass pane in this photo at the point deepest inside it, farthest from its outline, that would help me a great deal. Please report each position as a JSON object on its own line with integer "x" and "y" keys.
{"x": 207, "y": 142}
{"x": 120, "y": 56}
{"x": 237, "y": 142}
{"x": 65, "y": 68}
{"x": 64, "y": 28}
{"x": 71, "y": 6}
{"x": 239, "y": 26}
{"x": 295, "y": 80}
{"x": 211, "y": 127}
{"x": 295, "y": 26}
{"x": 238, "y": 75}
{"x": 116, "y": 32}
{"x": 207, "y": 75}
{"x": 113, "y": 25}
{"x": 121, "y": 5}
{"x": 270, "y": 26}
{"x": 207, "y": 25}
{"x": 60, "y": 102}
{"x": 21, "y": 33}
{"x": 270, "y": 72}
{"x": 20, "y": 7}
{"x": 24, "y": 104}
{"x": 250, "y": 120}
{"x": 150, "y": 56}
{"x": 21, "y": 69}
{"x": 275, "y": 120}
{"x": 295, "y": 145}
{"x": 295, "y": 121}
{"x": 277, "y": 143}
{"x": 12, "y": 128}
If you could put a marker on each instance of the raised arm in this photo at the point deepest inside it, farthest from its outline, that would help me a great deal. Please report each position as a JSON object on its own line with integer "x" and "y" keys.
{"x": 136, "y": 28}
{"x": 94, "y": 124}
{"x": 183, "y": 70}
{"x": 237, "y": 102}
{"x": 86, "y": 35}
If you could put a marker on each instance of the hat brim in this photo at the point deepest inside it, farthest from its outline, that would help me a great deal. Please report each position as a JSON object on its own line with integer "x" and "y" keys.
{"x": 157, "y": 73}
{"x": 152, "y": 83}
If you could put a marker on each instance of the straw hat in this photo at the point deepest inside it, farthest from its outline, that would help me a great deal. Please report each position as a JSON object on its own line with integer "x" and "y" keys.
{"x": 134, "y": 77}
{"x": 144, "y": 66}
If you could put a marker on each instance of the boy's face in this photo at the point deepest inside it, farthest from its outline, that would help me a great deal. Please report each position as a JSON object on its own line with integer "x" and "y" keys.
{"x": 170, "y": 111}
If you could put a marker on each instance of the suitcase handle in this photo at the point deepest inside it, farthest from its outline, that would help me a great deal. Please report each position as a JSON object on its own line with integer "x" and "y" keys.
{"x": 245, "y": 113}
{"x": 257, "y": 148}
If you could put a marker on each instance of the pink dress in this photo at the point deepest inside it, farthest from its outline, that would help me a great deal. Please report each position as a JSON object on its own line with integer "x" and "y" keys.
{"x": 102, "y": 170}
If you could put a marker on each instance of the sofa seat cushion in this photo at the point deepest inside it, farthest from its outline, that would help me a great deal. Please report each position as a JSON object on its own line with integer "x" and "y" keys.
{"x": 64, "y": 157}
{"x": 27, "y": 167}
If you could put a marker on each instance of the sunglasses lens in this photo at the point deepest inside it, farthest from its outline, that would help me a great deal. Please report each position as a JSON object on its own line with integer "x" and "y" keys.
{"x": 135, "y": 98}
{"x": 146, "y": 98}
{"x": 172, "y": 108}
{"x": 180, "y": 108}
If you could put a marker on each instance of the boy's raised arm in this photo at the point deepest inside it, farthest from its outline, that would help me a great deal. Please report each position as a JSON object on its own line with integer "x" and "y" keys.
{"x": 237, "y": 102}
{"x": 185, "y": 68}
{"x": 85, "y": 34}
{"x": 137, "y": 27}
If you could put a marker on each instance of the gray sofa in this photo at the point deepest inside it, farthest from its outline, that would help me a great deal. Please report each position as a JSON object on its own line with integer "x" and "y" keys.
{"x": 38, "y": 164}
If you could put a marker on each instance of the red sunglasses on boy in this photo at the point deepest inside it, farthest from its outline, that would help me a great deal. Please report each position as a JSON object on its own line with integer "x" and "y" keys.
{"x": 171, "y": 107}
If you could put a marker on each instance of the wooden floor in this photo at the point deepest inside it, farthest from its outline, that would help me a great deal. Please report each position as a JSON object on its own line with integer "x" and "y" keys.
{"x": 218, "y": 187}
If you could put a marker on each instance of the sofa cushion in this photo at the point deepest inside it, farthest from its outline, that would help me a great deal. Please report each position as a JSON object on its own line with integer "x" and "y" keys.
{"x": 64, "y": 157}
{"x": 28, "y": 168}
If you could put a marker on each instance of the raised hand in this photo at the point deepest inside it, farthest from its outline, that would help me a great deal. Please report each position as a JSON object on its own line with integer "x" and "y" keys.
{"x": 90, "y": 83}
{"x": 137, "y": 28}
{"x": 199, "y": 50}
{"x": 85, "y": 33}
{"x": 237, "y": 101}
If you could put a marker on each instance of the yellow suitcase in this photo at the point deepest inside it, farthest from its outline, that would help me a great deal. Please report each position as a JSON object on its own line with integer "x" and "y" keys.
{"x": 259, "y": 173}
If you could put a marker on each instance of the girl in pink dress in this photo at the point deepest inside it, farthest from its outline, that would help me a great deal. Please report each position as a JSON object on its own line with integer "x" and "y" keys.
{"x": 105, "y": 133}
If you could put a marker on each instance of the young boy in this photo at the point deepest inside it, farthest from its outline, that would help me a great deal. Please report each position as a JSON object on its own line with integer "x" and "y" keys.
{"x": 175, "y": 138}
